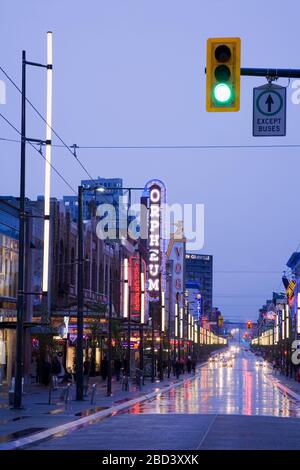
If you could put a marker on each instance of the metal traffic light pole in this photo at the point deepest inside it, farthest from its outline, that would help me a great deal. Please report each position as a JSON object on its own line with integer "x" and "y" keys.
{"x": 80, "y": 302}
{"x": 271, "y": 72}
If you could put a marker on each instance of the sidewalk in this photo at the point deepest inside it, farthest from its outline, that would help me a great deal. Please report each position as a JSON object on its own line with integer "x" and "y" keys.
{"x": 37, "y": 415}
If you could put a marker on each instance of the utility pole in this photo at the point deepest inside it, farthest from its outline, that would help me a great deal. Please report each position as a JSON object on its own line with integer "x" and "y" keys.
{"x": 169, "y": 341}
{"x": 109, "y": 371}
{"x": 161, "y": 332}
{"x": 21, "y": 262}
{"x": 129, "y": 333}
{"x": 152, "y": 344}
{"x": 22, "y": 214}
{"x": 141, "y": 294}
{"x": 80, "y": 306}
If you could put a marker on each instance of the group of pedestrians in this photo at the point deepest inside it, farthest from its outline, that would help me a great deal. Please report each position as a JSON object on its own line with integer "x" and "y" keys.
{"x": 118, "y": 366}
{"x": 181, "y": 366}
{"x": 42, "y": 370}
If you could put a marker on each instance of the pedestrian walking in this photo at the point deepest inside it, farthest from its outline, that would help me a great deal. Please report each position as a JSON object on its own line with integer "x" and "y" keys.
{"x": 194, "y": 366}
{"x": 174, "y": 367}
{"x": 177, "y": 368}
{"x": 45, "y": 372}
{"x": 55, "y": 370}
{"x": 117, "y": 368}
{"x": 189, "y": 364}
{"x": 104, "y": 368}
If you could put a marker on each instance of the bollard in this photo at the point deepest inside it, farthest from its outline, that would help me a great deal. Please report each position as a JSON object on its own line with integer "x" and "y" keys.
{"x": 50, "y": 394}
{"x": 67, "y": 394}
{"x": 93, "y": 396}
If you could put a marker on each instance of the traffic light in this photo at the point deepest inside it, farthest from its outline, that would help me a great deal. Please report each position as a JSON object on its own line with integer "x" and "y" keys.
{"x": 249, "y": 324}
{"x": 220, "y": 320}
{"x": 223, "y": 74}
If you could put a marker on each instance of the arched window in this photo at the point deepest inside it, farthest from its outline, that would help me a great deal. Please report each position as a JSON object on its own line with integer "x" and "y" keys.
{"x": 66, "y": 268}
{"x": 106, "y": 280}
{"x": 101, "y": 279}
{"x": 94, "y": 276}
{"x": 61, "y": 266}
{"x": 86, "y": 272}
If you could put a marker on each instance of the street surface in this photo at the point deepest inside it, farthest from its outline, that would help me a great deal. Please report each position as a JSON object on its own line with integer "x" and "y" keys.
{"x": 223, "y": 407}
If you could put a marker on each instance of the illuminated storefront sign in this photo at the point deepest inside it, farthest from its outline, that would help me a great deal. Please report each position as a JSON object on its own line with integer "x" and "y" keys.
{"x": 135, "y": 297}
{"x": 137, "y": 289}
{"x": 154, "y": 238}
{"x": 298, "y": 315}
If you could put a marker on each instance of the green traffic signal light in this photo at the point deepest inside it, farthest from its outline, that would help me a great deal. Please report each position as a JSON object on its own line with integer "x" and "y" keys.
{"x": 223, "y": 74}
{"x": 222, "y": 93}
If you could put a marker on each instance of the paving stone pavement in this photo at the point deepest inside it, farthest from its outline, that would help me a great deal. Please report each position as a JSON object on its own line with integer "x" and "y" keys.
{"x": 37, "y": 414}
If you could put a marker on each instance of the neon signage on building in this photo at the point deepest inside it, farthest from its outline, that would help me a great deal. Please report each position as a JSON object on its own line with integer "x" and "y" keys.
{"x": 154, "y": 236}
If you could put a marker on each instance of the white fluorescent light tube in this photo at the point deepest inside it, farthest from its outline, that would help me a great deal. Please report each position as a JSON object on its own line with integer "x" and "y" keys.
{"x": 47, "y": 166}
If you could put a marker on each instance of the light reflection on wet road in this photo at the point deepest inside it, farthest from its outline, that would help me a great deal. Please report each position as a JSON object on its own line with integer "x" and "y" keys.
{"x": 243, "y": 389}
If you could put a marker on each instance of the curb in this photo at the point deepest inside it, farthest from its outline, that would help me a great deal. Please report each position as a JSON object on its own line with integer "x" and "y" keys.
{"x": 91, "y": 419}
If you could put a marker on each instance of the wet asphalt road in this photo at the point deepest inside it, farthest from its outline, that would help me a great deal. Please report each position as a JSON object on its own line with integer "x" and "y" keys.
{"x": 243, "y": 389}
{"x": 236, "y": 407}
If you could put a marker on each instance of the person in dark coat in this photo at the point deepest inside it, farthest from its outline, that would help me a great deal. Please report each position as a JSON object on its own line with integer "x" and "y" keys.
{"x": 56, "y": 367}
{"x": 177, "y": 368}
{"x": 45, "y": 372}
{"x": 189, "y": 365}
{"x": 124, "y": 365}
{"x": 117, "y": 368}
{"x": 104, "y": 368}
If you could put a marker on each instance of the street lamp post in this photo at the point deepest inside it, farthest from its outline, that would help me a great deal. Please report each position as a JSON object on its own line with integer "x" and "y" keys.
{"x": 128, "y": 336}
{"x": 109, "y": 369}
{"x": 80, "y": 306}
{"x": 22, "y": 214}
{"x": 21, "y": 267}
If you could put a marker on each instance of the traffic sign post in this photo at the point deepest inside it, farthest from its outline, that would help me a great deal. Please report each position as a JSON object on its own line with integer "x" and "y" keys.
{"x": 269, "y": 111}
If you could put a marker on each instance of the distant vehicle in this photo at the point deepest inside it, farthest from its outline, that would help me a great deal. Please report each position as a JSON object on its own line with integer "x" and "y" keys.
{"x": 261, "y": 364}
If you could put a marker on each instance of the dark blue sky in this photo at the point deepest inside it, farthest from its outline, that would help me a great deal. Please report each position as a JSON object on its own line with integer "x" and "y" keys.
{"x": 132, "y": 73}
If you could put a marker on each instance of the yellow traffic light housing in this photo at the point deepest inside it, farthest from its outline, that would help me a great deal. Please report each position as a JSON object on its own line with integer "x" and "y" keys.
{"x": 223, "y": 62}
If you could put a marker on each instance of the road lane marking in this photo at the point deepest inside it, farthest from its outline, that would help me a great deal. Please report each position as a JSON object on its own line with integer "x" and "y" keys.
{"x": 206, "y": 432}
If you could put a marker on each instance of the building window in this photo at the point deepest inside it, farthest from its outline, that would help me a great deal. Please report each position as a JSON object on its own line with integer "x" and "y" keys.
{"x": 72, "y": 270}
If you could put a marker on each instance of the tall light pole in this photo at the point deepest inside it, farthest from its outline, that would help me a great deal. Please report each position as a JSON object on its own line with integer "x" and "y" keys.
{"x": 80, "y": 305}
{"x": 21, "y": 267}
{"x": 109, "y": 359}
{"x": 22, "y": 214}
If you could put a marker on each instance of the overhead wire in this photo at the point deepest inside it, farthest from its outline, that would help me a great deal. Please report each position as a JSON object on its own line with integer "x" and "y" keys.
{"x": 40, "y": 153}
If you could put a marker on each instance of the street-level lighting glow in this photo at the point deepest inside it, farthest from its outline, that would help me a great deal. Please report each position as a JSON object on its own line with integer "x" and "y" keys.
{"x": 47, "y": 165}
{"x": 277, "y": 329}
{"x": 283, "y": 324}
{"x": 125, "y": 299}
{"x": 100, "y": 189}
{"x": 298, "y": 314}
{"x": 222, "y": 93}
{"x": 176, "y": 320}
{"x": 181, "y": 322}
{"x": 287, "y": 322}
{"x": 142, "y": 297}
